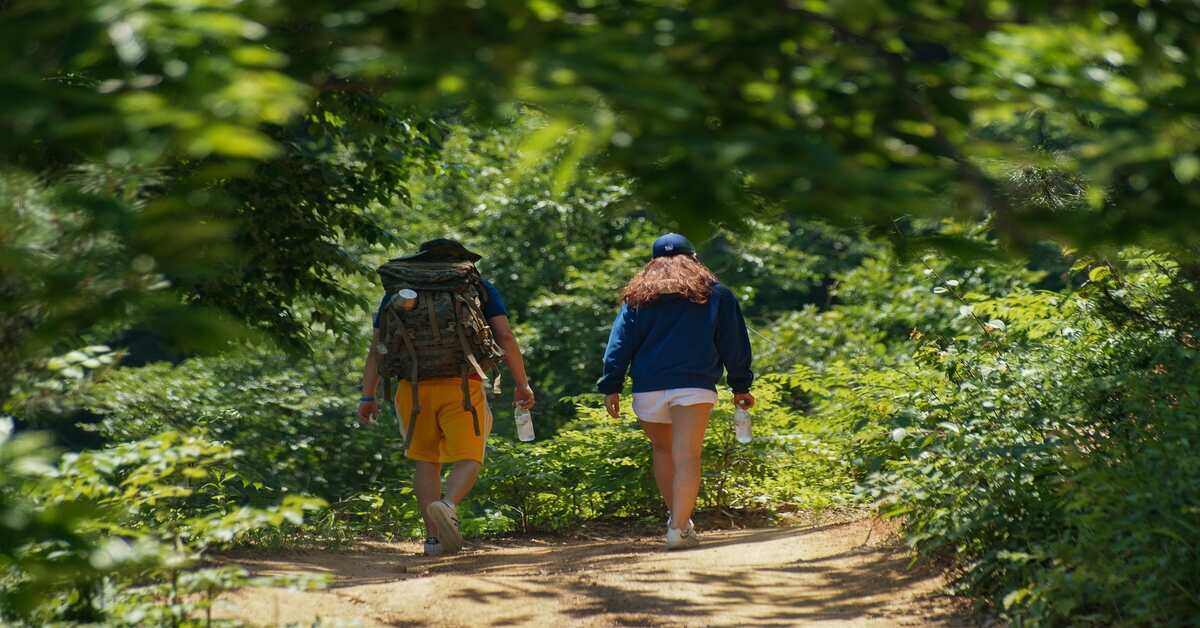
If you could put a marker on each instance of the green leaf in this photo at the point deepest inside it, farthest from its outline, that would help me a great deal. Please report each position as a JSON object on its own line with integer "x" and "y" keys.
{"x": 1186, "y": 167}
{"x": 1015, "y": 597}
{"x": 74, "y": 372}
{"x": 1099, "y": 273}
{"x": 233, "y": 141}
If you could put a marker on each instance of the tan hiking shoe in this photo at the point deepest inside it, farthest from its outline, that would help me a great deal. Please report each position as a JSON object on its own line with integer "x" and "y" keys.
{"x": 445, "y": 520}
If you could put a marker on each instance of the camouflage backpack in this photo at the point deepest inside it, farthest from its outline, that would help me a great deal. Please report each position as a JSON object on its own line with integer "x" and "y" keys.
{"x": 442, "y": 334}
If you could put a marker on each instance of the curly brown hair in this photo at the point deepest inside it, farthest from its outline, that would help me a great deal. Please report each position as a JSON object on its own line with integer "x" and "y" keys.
{"x": 683, "y": 275}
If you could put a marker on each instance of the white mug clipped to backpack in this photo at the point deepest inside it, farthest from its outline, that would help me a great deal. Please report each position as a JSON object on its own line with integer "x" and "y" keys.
{"x": 407, "y": 298}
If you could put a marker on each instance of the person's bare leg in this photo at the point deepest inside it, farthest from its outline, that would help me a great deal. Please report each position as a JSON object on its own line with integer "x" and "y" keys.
{"x": 427, "y": 484}
{"x": 664, "y": 465}
{"x": 462, "y": 477}
{"x": 687, "y": 438}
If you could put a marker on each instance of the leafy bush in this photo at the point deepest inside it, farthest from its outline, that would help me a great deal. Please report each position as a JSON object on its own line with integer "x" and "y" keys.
{"x": 293, "y": 415}
{"x": 302, "y": 438}
{"x": 597, "y": 467}
{"x": 41, "y": 546}
{"x": 119, "y": 535}
{"x": 1042, "y": 441}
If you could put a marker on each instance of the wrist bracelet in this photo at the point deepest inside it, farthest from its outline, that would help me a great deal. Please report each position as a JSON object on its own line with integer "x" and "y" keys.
{"x": 365, "y": 398}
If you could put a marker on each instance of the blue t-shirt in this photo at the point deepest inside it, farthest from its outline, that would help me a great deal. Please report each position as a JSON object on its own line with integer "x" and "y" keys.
{"x": 494, "y": 306}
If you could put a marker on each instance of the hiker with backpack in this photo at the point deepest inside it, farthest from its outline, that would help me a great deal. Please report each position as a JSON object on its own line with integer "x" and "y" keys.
{"x": 439, "y": 329}
{"x": 679, "y": 329}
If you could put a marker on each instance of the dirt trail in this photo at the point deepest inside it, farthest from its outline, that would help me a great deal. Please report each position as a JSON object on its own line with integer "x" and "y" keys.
{"x": 816, "y": 576}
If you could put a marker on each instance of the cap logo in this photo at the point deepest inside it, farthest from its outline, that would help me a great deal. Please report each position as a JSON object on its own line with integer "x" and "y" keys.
{"x": 670, "y": 247}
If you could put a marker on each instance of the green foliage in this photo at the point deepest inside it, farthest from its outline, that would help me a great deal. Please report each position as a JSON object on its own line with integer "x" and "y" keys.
{"x": 232, "y": 148}
{"x": 561, "y": 257}
{"x": 41, "y": 547}
{"x": 183, "y": 184}
{"x": 119, "y": 535}
{"x": 174, "y": 488}
{"x": 592, "y": 469}
{"x": 1041, "y": 441}
{"x": 867, "y": 109}
{"x": 599, "y": 468}
{"x": 214, "y": 171}
{"x": 302, "y": 438}
{"x": 128, "y": 82}
{"x": 298, "y": 220}
{"x": 293, "y": 415}
{"x": 64, "y": 271}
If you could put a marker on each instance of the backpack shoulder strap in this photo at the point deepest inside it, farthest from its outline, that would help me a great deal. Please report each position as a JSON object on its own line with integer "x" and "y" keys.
{"x": 484, "y": 293}
{"x": 402, "y": 331}
{"x": 459, "y": 304}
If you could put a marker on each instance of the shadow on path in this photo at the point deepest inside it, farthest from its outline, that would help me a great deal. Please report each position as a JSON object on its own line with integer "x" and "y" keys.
{"x": 776, "y": 576}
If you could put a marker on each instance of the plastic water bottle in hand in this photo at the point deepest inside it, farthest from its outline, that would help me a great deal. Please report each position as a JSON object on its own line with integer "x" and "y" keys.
{"x": 524, "y": 424}
{"x": 741, "y": 425}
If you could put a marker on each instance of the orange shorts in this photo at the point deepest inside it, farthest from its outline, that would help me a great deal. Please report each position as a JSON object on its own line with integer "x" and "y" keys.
{"x": 444, "y": 429}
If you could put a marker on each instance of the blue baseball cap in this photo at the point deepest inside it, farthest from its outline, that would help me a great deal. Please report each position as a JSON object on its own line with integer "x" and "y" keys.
{"x": 672, "y": 244}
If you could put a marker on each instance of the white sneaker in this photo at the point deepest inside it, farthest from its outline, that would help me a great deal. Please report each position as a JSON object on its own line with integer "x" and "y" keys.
{"x": 682, "y": 539}
{"x": 445, "y": 520}
{"x": 432, "y": 546}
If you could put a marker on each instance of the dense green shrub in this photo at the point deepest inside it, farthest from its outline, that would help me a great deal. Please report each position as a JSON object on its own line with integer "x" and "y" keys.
{"x": 301, "y": 437}
{"x": 597, "y": 467}
{"x": 119, "y": 535}
{"x": 41, "y": 546}
{"x": 295, "y": 416}
{"x": 1043, "y": 441}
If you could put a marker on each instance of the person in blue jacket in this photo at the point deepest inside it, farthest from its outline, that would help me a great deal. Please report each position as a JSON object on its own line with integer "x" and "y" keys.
{"x": 677, "y": 330}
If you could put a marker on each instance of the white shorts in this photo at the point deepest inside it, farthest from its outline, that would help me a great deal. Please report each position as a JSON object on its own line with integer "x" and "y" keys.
{"x": 655, "y": 406}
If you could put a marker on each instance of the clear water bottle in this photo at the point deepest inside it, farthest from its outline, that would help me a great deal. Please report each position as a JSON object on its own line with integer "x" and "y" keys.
{"x": 524, "y": 424}
{"x": 741, "y": 425}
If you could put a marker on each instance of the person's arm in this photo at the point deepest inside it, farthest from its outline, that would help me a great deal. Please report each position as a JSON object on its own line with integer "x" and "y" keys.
{"x": 622, "y": 344}
{"x": 502, "y": 331}
{"x": 733, "y": 345}
{"x": 368, "y": 406}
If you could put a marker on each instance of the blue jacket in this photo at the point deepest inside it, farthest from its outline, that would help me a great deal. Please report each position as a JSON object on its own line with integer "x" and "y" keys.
{"x": 674, "y": 343}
